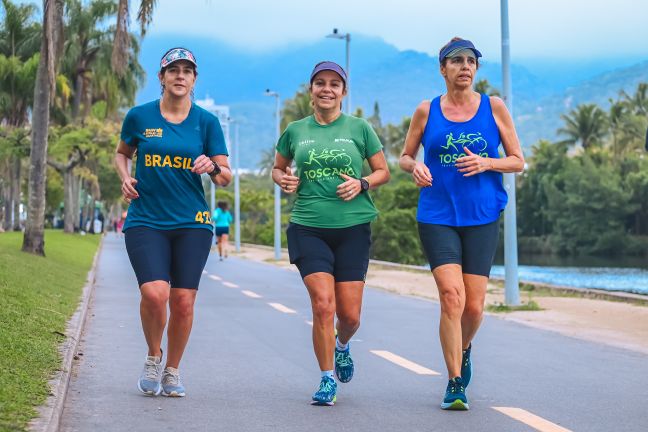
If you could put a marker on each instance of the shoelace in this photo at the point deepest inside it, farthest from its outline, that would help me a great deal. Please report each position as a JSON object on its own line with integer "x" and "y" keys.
{"x": 454, "y": 387}
{"x": 151, "y": 370}
{"x": 171, "y": 379}
{"x": 325, "y": 386}
{"x": 343, "y": 358}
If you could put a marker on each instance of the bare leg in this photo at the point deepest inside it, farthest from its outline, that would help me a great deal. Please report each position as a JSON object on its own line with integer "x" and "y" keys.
{"x": 348, "y": 300}
{"x": 321, "y": 288}
{"x": 181, "y": 304}
{"x": 153, "y": 312}
{"x": 225, "y": 240}
{"x": 473, "y": 312}
{"x": 453, "y": 298}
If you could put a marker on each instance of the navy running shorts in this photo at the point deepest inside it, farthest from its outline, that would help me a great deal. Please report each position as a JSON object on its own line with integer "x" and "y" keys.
{"x": 472, "y": 247}
{"x": 177, "y": 256}
{"x": 341, "y": 252}
{"x": 222, "y": 230}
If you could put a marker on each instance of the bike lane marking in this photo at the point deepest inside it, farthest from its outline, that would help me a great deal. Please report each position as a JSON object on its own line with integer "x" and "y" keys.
{"x": 214, "y": 277}
{"x": 250, "y": 294}
{"x": 403, "y": 362}
{"x": 531, "y": 419}
{"x": 230, "y": 285}
{"x": 282, "y": 308}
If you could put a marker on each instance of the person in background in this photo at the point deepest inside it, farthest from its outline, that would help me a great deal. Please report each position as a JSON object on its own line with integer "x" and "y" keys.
{"x": 222, "y": 219}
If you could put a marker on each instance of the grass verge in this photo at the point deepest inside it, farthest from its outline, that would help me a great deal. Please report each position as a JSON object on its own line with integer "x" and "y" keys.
{"x": 37, "y": 297}
{"x": 530, "y": 305}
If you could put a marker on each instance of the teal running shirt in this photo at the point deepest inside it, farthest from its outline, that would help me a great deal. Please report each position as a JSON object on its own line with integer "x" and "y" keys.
{"x": 222, "y": 218}
{"x": 170, "y": 195}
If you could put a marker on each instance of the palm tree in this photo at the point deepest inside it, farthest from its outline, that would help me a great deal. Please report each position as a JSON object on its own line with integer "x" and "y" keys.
{"x": 484, "y": 87}
{"x": 297, "y": 108}
{"x": 587, "y": 125}
{"x": 121, "y": 46}
{"x": 51, "y": 45}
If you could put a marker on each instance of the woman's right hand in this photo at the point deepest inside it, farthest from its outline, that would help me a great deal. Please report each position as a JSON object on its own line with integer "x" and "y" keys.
{"x": 421, "y": 175}
{"x": 289, "y": 182}
{"x": 128, "y": 189}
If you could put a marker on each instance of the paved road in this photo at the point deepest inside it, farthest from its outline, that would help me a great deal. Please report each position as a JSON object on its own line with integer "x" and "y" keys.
{"x": 250, "y": 366}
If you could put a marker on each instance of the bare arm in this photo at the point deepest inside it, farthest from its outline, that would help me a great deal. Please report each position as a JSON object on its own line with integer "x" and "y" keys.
{"x": 123, "y": 158}
{"x": 408, "y": 163}
{"x": 282, "y": 174}
{"x": 203, "y": 165}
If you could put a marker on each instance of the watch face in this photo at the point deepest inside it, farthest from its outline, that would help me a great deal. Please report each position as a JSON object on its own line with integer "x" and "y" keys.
{"x": 364, "y": 184}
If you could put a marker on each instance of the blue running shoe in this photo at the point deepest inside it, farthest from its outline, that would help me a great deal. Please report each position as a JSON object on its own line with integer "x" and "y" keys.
{"x": 343, "y": 365}
{"x": 171, "y": 384}
{"x": 455, "y": 396}
{"x": 325, "y": 395}
{"x": 149, "y": 380}
{"x": 466, "y": 366}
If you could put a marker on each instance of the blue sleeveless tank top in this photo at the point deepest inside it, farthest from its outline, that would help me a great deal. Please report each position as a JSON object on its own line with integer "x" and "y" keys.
{"x": 453, "y": 199}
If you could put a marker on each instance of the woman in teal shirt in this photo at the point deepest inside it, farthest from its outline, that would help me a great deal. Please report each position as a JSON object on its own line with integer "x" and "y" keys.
{"x": 222, "y": 219}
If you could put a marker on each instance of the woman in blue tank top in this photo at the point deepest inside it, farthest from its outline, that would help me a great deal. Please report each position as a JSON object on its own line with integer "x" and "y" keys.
{"x": 461, "y": 199}
{"x": 168, "y": 230}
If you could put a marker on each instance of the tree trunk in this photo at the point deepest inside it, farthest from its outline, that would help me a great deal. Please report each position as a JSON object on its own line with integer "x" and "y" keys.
{"x": 34, "y": 238}
{"x": 91, "y": 216}
{"x": 6, "y": 197}
{"x": 15, "y": 192}
{"x": 76, "y": 205}
{"x": 78, "y": 90}
{"x": 68, "y": 201}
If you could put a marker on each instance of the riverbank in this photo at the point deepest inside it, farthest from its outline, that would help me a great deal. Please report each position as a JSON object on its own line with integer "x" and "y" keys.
{"x": 619, "y": 323}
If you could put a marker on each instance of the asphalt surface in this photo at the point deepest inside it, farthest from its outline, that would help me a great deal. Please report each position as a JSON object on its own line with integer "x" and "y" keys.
{"x": 251, "y": 367}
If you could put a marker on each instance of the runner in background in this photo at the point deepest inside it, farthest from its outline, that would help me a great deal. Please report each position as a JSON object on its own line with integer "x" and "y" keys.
{"x": 222, "y": 219}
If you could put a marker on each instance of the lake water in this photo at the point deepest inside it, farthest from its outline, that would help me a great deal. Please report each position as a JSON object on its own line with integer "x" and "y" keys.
{"x": 613, "y": 274}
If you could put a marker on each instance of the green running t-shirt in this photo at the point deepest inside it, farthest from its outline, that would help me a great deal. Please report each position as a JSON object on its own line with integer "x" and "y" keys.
{"x": 322, "y": 153}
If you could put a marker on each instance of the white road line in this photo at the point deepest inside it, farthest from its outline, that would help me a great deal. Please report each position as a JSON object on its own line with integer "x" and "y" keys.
{"x": 532, "y": 420}
{"x": 251, "y": 294}
{"x": 310, "y": 323}
{"x": 282, "y": 308}
{"x": 230, "y": 285}
{"x": 403, "y": 362}
{"x": 204, "y": 271}
{"x": 214, "y": 277}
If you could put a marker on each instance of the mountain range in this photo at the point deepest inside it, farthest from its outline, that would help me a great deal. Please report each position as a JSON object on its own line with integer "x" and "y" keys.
{"x": 379, "y": 72}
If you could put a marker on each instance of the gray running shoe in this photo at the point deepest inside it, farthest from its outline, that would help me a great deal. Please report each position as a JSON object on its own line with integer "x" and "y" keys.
{"x": 149, "y": 381}
{"x": 171, "y": 384}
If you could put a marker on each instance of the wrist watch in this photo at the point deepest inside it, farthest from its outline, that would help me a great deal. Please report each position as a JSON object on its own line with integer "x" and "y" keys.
{"x": 364, "y": 185}
{"x": 216, "y": 170}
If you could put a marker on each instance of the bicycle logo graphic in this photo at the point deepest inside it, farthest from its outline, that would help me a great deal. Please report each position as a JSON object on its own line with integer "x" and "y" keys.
{"x": 473, "y": 140}
{"x": 328, "y": 158}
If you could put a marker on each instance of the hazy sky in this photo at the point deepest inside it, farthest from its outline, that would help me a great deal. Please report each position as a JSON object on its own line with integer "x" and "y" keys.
{"x": 538, "y": 28}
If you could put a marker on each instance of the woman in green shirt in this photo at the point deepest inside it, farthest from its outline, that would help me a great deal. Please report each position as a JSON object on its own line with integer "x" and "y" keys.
{"x": 329, "y": 233}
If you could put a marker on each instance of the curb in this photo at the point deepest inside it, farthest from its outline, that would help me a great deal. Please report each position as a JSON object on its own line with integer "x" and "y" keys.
{"x": 49, "y": 414}
{"x": 591, "y": 293}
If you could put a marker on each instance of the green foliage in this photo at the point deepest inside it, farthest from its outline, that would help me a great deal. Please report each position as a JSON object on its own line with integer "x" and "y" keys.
{"x": 34, "y": 313}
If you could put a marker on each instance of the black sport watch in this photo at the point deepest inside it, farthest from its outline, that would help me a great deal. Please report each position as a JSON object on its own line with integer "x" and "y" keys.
{"x": 364, "y": 185}
{"x": 216, "y": 170}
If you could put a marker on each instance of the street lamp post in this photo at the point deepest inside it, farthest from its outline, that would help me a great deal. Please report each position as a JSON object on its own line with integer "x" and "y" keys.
{"x": 237, "y": 190}
{"x": 347, "y": 38}
{"x": 277, "y": 191}
{"x": 512, "y": 288}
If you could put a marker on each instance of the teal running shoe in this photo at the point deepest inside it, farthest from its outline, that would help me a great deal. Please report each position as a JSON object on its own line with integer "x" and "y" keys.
{"x": 343, "y": 365}
{"x": 149, "y": 380}
{"x": 171, "y": 384}
{"x": 466, "y": 366}
{"x": 325, "y": 395}
{"x": 455, "y": 396}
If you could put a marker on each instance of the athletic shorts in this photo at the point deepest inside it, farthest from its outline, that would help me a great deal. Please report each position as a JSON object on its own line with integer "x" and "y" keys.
{"x": 341, "y": 252}
{"x": 222, "y": 230}
{"x": 177, "y": 256}
{"x": 472, "y": 247}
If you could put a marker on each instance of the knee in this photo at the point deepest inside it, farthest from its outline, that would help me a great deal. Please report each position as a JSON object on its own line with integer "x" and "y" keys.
{"x": 451, "y": 302}
{"x": 182, "y": 307}
{"x": 350, "y": 320}
{"x": 155, "y": 295}
{"x": 473, "y": 311}
{"x": 323, "y": 307}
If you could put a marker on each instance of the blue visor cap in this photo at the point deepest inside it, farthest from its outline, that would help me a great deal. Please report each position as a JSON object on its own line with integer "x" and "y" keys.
{"x": 328, "y": 65}
{"x": 463, "y": 43}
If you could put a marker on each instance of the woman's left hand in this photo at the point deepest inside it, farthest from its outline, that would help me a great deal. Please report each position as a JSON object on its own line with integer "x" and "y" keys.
{"x": 472, "y": 164}
{"x": 202, "y": 165}
{"x": 349, "y": 189}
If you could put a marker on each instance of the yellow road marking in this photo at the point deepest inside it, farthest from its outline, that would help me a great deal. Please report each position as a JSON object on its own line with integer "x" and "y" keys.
{"x": 532, "y": 420}
{"x": 403, "y": 362}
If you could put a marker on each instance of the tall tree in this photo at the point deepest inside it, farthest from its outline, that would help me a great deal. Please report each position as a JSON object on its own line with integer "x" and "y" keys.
{"x": 586, "y": 125}
{"x": 51, "y": 46}
{"x": 121, "y": 46}
{"x": 484, "y": 87}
